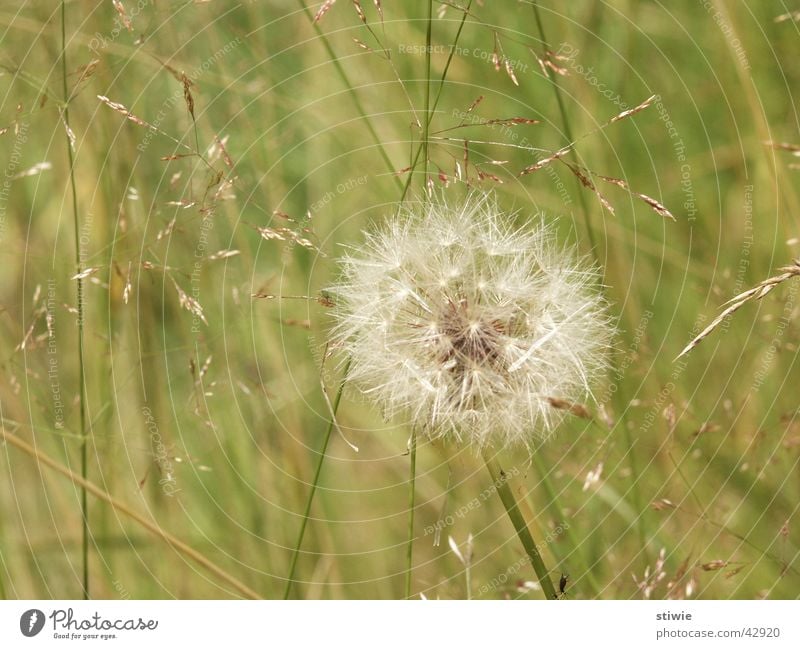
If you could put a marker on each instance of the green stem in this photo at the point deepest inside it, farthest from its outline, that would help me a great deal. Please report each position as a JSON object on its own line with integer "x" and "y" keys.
{"x": 412, "y": 492}
{"x": 426, "y": 107}
{"x": 81, "y": 377}
{"x": 500, "y": 481}
{"x": 317, "y": 471}
{"x": 426, "y": 119}
{"x": 417, "y": 155}
{"x": 343, "y": 75}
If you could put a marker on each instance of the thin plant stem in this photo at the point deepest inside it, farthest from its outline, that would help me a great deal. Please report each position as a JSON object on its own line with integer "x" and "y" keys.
{"x": 343, "y": 75}
{"x": 125, "y": 510}
{"x": 426, "y": 119}
{"x": 412, "y": 496}
{"x": 314, "y": 483}
{"x": 81, "y": 377}
{"x": 500, "y": 481}
{"x": 427, "y": 104}
{"x": 429, "y": 116}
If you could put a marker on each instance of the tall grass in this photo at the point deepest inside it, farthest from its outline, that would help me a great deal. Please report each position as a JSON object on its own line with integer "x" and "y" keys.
{"x": 696, "y": 457}
{"x": 84, "y": 452}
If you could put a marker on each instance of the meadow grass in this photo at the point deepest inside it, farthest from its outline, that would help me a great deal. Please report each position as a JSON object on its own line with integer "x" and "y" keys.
{"x": 238, "y": 148}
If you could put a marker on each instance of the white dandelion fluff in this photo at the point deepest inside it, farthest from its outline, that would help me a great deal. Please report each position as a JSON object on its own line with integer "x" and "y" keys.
{"x": 467, "y": 325}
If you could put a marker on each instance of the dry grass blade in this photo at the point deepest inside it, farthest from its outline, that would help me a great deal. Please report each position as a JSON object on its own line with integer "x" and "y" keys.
{"x": 360, "y": 11}
{"x": 791, "y": 15}
{"x": 586, "y": 182}
{"x": 577, "y": 409}
{"x": 546, "y": 161}
{"x": 35, "y": 170}
{"x": 126, "y": 292}
{"x": 85, "y": 273}
{"x": 68, "y": 129}
{"x": 323, "y": 10}
{"x": 285, "y": 234}
{"x": 548, "y": 62}
{"x": 627, "y": 113}
{"x": 734, "y": 304}
{"x": 562, "y": 152}
{"x": 510, "y": 71}
{"x": 783, "y": 146}
{"x": 511, "y": 121}
{"x": 497, "y": 121}
{"x": 657, "y": 207}
{"x": 474, "y": 105}
{"x": 120, "y": 108}
{"x": 123, "y": 15}
{"x": 121, "y": 508}
{"x": 662, "y": 504}
{"x": 187, "y": 96}
{"x": 189, "y": 303}
{"x": 223, "y": 254}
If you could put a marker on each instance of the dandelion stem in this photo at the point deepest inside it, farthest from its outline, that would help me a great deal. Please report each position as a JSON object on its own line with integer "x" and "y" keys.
{"x": 314, "y": 483}
{"x": 500, "y": 481}
{"x": 82, "y": 386}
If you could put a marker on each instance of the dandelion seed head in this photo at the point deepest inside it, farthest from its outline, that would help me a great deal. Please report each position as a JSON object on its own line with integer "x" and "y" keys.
{"x": 467, "y": 325}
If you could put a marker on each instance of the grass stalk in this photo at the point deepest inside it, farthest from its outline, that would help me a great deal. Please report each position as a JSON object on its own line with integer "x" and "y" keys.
{"x": 500, "y": 482}
{"x": 426, "y": 109}
{"x": 426, "y": 119}
{"x": 122, "y": 508}
{"x": 429, "y": 114}
{"x": 345, "y": 79}
{"x": 314, "y": 483}
{"x": 81, "y": 376}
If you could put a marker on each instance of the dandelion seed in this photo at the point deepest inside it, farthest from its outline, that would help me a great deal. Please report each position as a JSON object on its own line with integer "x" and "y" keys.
{"x": 468, "y": 325}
